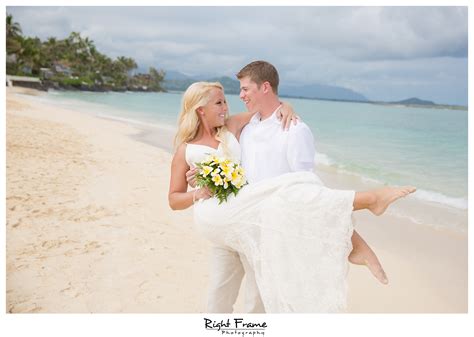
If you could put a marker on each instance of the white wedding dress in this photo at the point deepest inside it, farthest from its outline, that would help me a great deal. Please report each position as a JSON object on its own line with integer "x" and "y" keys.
{"x": 295, "y": 233}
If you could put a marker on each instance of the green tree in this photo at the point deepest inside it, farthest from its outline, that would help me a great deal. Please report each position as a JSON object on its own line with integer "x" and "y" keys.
{"x": 13, "y": 35}
{"x": 126, "y": 63}
{"x": 29, "y": 55}
{"x": 87, "y": 64}
{"x": 156, "y": 79}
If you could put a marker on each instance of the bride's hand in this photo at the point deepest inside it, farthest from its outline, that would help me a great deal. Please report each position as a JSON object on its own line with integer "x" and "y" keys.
{"x": 191, "y": 177}
{"x": 202, "y": 193}
{"x": 286, "y": 114}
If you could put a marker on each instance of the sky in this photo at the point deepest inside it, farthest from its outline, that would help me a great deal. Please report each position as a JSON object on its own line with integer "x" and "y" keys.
{"x": 384, "y": 53}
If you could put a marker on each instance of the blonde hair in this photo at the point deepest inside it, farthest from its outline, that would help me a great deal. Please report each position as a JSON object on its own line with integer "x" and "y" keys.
{"x": 197, "y": 95}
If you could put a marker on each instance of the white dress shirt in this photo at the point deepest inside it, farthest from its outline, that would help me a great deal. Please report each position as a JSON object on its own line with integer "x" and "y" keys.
{"x": 269, "y": 151}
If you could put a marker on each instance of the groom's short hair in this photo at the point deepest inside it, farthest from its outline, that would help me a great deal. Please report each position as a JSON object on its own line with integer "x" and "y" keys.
{"x": 259, "y": 72}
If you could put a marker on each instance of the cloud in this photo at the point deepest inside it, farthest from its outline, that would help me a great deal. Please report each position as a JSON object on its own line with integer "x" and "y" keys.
{"x": 352, "y": 46}
{"x": 382, "y": 33}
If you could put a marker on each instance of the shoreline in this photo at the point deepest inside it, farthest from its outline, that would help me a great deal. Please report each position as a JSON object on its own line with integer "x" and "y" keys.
{"x": 440, "y": 208}
{"x": 123, "y": 210}
{"x": 425, "y": 211}
{"x": 453, "y": 219}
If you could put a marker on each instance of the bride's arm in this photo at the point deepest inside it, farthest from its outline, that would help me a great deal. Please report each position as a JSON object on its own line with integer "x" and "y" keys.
{"x": 178, "y": 196}
{"x": 236, "y": 123}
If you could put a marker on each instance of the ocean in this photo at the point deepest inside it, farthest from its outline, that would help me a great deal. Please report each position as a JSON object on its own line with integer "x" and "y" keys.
{"x": 367, "y": 144}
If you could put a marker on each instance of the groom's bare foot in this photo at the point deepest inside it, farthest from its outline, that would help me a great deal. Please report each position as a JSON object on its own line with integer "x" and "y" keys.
{"x": 385, "y": 196}
{"x": 366, "y": 256}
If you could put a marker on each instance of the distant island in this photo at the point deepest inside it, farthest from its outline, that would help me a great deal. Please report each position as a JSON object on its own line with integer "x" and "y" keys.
{"x": 414, "y": 101}
{"x": 419, "y": 103}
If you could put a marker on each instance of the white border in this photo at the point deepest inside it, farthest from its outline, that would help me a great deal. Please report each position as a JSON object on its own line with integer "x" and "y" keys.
{"x": 380, "y": 325}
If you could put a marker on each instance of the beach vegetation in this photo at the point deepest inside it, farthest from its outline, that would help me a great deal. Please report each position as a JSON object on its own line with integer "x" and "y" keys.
{"x": 74, "y": 63}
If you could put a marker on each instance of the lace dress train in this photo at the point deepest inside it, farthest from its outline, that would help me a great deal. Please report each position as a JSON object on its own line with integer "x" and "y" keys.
{"x": 296, "y": 235}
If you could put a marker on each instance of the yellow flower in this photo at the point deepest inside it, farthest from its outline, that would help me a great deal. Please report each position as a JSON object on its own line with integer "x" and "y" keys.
{"x": 227, "y": 170}
{"x": 206, "y": 170}
{"x": 238, "y": 182}
{"x": 235, "y": 174}
{"x": 238, "y": 179}
{"x": 222, "y": 175}
{"x": 216, "y": 160}
{"x": 217, "y": 180}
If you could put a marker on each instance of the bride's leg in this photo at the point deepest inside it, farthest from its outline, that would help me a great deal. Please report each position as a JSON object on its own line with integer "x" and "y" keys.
{"x": 378, "y": 200}
{"x": 362, "y": 254}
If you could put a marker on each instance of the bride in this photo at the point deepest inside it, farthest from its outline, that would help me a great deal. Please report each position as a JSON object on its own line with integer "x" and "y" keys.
{"x": 294, "y": 232}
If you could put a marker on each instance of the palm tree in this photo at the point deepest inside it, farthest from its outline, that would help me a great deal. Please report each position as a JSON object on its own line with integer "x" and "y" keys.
{"x": 156, "y": 78}
{"x": 89, "y": 46}
{"x": 78, "y": 53}
{"x": 49, "y": 52}
{"x": 13, "y": 29}
{"x": 29, "y": 54}
{"x": 127, "y": 63}
{"x": 13, "y": 35}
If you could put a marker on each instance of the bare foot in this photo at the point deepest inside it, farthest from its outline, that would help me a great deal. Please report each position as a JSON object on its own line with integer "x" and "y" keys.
{"x": 368, "y": 258}
{"x": 385, "y": 196}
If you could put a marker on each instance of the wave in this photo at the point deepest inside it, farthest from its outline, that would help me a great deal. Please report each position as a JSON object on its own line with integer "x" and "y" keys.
{"x": 137, "y": 122}
{"x": 322, "y": 159}
{"x": 436, "y": 197}
{"x": 453, "y": 222}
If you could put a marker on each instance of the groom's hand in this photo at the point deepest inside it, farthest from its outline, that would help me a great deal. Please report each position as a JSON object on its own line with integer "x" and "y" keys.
{"x": 191, "y": 177}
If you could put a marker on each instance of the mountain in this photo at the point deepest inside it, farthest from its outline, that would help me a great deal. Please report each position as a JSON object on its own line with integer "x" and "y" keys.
{"x": 175, "y": 75}
{"x": 415, "y": 101}
{"x": 177, "y": 81}
{"x": 321, "y": 91}
{"x": 231, "y": 86}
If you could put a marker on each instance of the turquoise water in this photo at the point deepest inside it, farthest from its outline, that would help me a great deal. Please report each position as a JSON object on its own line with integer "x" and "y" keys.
{"x": 386, "y": 144}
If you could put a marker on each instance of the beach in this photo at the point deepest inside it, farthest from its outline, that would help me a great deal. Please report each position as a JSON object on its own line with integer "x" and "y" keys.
{"x": 89, "y": 228}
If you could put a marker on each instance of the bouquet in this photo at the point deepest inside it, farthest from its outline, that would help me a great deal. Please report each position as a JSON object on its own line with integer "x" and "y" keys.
{"x": 221, "y": 176}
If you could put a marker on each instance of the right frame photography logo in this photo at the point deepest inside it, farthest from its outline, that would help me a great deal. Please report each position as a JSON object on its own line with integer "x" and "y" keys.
{"x": 236, "y": 327}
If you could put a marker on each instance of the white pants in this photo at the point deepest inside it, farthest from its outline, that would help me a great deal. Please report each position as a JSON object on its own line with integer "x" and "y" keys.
{"x": 227, "y": 270}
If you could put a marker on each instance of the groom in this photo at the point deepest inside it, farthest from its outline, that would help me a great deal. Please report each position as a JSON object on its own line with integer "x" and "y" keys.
{"x": 267, "y": 151}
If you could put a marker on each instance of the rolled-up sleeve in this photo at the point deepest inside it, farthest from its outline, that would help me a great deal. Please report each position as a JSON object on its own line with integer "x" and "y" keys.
{"x": 301, "y": 149}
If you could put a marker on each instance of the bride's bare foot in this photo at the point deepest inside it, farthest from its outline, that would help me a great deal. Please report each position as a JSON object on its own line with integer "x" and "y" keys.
{"x": 366, "y": 256}
{"x": 385, "y": 196}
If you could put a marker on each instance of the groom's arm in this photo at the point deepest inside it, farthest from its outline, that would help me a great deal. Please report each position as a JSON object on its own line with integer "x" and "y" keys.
{"x": 301, "y": 151}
